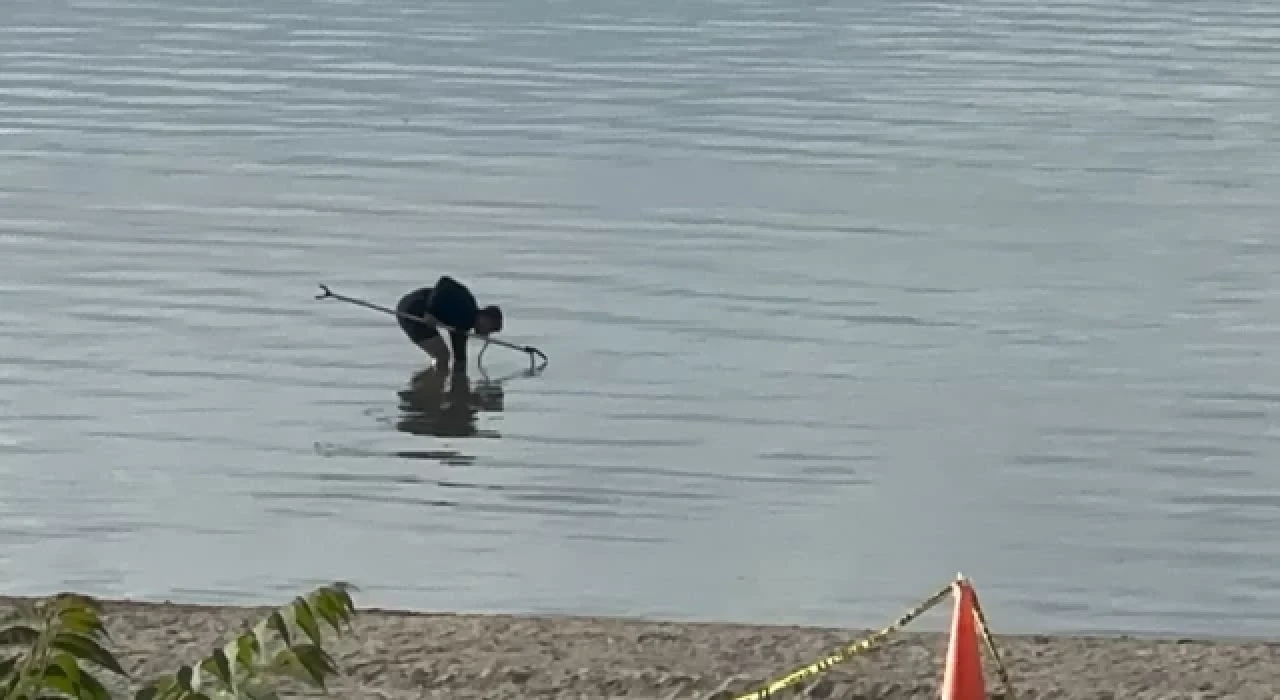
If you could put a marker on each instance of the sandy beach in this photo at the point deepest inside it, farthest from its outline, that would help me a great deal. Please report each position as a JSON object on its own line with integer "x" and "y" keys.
{"x": 416, "y": 655}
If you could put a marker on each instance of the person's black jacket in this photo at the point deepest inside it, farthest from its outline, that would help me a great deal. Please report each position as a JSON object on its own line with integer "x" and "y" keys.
{"x": 451, "y": 303}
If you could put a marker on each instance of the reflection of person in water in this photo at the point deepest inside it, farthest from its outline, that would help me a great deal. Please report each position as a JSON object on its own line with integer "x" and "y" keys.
{"x": 429, "y": 408}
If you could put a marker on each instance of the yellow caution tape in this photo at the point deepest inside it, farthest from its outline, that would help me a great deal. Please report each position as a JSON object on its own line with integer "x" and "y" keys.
{"x": 846, "y": 652}
{"x": 849, "y": 650}
{"x": 991, "y": 647}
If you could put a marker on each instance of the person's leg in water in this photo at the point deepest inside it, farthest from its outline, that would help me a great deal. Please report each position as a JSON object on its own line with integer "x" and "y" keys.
{"x": 425, "y": 336}
{"x": 428, "y": 381}
{"x": 438, "y": 348}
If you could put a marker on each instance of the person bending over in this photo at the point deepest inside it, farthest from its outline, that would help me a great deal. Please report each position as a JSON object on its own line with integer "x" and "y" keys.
{"x": 450, "y": 303}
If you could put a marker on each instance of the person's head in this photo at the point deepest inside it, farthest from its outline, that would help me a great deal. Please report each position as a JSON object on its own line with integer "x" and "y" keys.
{"x": 489, "y": 320}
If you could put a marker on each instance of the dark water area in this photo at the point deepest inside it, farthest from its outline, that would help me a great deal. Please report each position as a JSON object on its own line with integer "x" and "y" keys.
{"x": 840, "y": 299}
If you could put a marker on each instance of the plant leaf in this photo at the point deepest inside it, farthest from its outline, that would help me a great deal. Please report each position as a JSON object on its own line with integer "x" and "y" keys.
{"x": 157, "y": 689}
{"x": 8, "y": 665}
{"x": 287, "y": 663}
{"x": 277, "y": 623}
{"x": 286, "y": 642}
{"x": 222, "y": 669}
{"x": 55, "y": 678}
{"x": 340, "y": 594}
{"x": 86, "y": 649}
{"x": 306, "y": 619}
{"x": 93, "y": 688}
{"x": 65, "y": 676}
{"x": 76, "y": 600}
{"x": 261, "y": 639}
{"x": 19, "y": 635}
{"x": 324, "y": 608}
{"x": 306, "y": 662}
{"x": 69, "y": 667}
{"x": 247, "y": 650}
{"x": 334, "y": 604}
{"x": 259, "y": 691}
{"x": 317, "y": 661}
{"x": 197, "y": 677}
{"x": 82, "y": 620}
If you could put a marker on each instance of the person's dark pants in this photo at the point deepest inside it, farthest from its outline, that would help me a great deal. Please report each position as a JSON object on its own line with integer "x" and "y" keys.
{"x": 417, "y": 331}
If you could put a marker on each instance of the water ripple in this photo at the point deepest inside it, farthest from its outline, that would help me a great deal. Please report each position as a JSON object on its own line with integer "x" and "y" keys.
{"x": 799, "y": 268}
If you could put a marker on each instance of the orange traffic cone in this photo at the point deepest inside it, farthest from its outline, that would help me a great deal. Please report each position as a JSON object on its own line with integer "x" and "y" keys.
{"x": 962, "y": 679}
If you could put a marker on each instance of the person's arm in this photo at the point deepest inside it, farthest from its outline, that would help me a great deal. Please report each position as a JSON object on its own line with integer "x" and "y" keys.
{"x": 459, "y": 341}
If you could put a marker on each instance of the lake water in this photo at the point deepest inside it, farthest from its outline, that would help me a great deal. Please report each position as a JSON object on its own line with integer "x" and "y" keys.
{"x": 840, "y": 298}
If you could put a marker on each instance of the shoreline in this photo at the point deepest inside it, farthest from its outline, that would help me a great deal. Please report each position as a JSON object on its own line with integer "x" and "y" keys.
{"x": 397, "y": 654}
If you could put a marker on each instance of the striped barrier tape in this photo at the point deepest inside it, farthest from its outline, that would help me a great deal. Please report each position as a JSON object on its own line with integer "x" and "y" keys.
{"x": 872, "y": 641}
{"x": 1001, "y": 671}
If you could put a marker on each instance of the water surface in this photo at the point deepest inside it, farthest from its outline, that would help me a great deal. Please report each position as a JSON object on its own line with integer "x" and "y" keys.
{"x": 840, "y": 298}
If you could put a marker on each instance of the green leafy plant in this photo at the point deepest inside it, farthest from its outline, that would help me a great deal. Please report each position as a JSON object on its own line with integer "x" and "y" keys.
{"x": 60, "y": 636}
{"x": 59, "y": 633}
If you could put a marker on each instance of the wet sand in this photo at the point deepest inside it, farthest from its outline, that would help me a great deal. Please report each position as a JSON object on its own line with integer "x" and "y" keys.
{"x": 416, "y": 655}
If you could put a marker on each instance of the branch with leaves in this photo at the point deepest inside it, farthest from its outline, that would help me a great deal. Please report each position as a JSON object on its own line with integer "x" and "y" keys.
{"x": 60, "y": 635}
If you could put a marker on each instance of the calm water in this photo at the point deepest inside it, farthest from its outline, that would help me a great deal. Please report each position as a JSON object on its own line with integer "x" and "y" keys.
{"x": 840, "y": 298}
